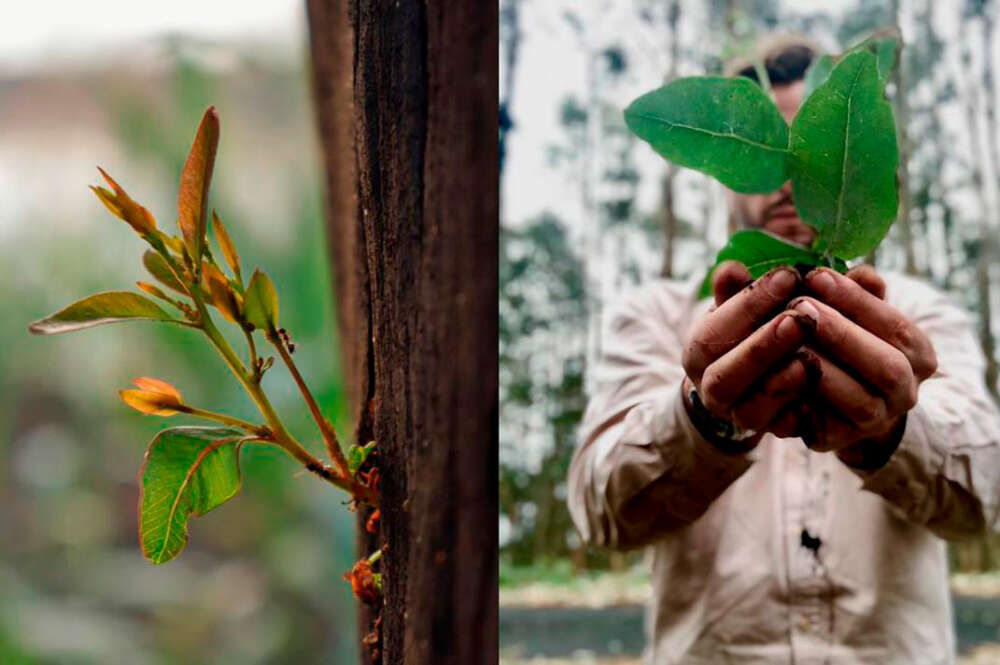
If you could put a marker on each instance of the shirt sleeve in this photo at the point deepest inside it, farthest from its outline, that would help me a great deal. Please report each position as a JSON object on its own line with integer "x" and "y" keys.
{"x": 945, "y": 472}
{"x": 642, "y": 469}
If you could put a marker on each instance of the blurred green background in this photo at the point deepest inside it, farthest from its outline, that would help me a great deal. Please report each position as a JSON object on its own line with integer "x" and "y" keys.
{"x": 260, "y": 581}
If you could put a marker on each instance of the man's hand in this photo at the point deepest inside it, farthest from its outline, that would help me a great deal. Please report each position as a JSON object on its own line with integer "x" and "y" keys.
{"x": 738, "y": 354}
{"x": 867, "y": 361}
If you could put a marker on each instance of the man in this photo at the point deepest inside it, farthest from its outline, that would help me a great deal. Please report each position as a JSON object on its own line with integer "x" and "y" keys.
{"x": 794, "y": 454}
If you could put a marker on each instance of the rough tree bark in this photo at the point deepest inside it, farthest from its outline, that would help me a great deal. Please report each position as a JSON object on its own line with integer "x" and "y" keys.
{"x": 406, "y": 103}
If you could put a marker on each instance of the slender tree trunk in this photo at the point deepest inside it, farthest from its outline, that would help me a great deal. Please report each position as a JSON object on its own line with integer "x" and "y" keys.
{"x": 990, "y": 97}
{"x": 406, "y": 98}
{"x": 986, "y": 245}
{"x": 510, "y": 18}
{"x": 669, "y": 211}
{"x": 899, "y": 78}
{"x": 669, "y": 223}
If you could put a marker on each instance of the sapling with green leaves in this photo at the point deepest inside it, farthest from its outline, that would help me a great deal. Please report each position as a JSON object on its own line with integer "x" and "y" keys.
{"x": 840, "y": 152}
{"x": 191, "y": 470}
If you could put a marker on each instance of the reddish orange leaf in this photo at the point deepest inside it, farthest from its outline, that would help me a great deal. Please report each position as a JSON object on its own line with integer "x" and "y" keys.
{"x": 222, "y": 293}
{"x": 152, "y": 290}
{"x": 196, "y": 178}
{"x": 227, "y": 247}
{"x": 123, "y": 207}
{"x": 157, "y": 386}
{"x": 363, "y": 584}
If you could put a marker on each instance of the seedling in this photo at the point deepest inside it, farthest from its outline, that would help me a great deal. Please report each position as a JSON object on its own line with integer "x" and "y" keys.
{"x": 839, "y": 153}
{"x": 191, "y": 470}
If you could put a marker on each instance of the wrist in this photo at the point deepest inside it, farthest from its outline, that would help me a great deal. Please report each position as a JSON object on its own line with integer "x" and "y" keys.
{"x": 722, "y": 434}
{"x": 872, "y": 454}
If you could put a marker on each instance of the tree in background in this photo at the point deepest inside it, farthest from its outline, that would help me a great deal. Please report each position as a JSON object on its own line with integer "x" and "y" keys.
{"x": 541, "y": 387}
{"x": 407, "y": 109}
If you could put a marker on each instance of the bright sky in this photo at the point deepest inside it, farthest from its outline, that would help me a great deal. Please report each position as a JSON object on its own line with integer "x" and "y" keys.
{"x": 36, "y": 31}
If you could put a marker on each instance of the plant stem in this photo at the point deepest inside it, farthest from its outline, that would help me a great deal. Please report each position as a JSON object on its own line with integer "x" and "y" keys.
{"x": 253, "y": 353}
{"x": 280, "y": 435}
{"x": 329, "y": 433}
{"x": 257, "y": 430}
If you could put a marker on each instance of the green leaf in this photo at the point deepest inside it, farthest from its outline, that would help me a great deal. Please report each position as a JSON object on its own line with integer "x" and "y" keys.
{"x": 196, "y": 179}
{"x": 885, "y": 44}
{"x": 886, "y": 54}
{"x": 843, "y": 159}
{"x": 725, "y": 127}
{"x": 187, "y": 471}
{"x": 817, "y": 73}
{"x": 157, "y": 266}
{"x": 357, "y": 455}
{"x": 760, "y": 251}
{"x": 101, "y": 308}
{"x": 260, "y": 303}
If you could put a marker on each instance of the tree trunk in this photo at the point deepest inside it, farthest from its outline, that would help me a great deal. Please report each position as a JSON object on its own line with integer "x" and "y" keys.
{"x": 406, "y": 103}
{"x": 902, "y": 120}
{"x": 986, "y": 245}
{"x": 669, "y": 209}
{"x": 510, "y": 18}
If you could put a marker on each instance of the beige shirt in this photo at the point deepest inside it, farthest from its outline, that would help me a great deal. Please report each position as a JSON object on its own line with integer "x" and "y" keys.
{"x": 733, "y": 581}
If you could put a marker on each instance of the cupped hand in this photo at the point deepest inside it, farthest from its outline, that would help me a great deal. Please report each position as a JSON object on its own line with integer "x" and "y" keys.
{"x": 865, "y": 362}
{"x": 738, "y": 354}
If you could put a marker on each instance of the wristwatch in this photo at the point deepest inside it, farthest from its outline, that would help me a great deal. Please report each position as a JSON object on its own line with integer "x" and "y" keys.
{"x": 725, "y": 435}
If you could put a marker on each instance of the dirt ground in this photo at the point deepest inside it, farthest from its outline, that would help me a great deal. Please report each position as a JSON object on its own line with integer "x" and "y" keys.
{"x": 985, "y": 655}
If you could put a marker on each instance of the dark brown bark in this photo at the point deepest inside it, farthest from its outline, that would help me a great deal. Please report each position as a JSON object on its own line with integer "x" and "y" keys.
{"x": 406, "y": 96}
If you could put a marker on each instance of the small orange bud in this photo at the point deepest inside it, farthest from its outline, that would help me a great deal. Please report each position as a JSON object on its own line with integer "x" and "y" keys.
{"x": 154, "y": 397}
{"x": 123, "y": 207}
{"x": 363, "y": 582}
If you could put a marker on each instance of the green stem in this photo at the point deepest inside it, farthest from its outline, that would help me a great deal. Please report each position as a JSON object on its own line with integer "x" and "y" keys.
{"x": 328, "y": 431}
{"x": 256, "y": 430}
{"x": 280, "y": 435}
{"x": 253, "y": 354}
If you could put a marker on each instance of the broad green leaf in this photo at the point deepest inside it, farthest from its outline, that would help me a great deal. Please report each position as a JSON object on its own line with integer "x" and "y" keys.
{"x": 260, "y": 302}
{"x": 196, "y": 179}
{"x": 817, "y": 73}
{"x": 761, "y": 251}
{"x": 357, "y": 455}
{"x": 187, "y": 471}
{"x": 725, "y": 127}
{"x": 101, "y": 308}
{"x": 843, "y": 159}
{"x": 157, "y": 266}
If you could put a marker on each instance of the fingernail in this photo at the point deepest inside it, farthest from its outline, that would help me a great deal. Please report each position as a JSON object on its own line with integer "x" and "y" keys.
{"x": 822, "y": 283}
{"x": 788, "y": 329}
{"x": 808, "y": 309}
{"x": 783, "y": 279}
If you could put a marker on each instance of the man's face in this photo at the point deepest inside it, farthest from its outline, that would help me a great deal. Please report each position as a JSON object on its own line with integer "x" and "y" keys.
{"x": 775, "y": 212}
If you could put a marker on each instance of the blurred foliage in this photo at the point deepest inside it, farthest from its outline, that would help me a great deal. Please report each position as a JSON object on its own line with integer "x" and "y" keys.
{"x": 261, "y": 580}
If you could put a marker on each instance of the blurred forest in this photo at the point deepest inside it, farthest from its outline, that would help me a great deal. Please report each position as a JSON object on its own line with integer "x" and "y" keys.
{"x": 619, "y": 215}
{"x": 260, "y": 581}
